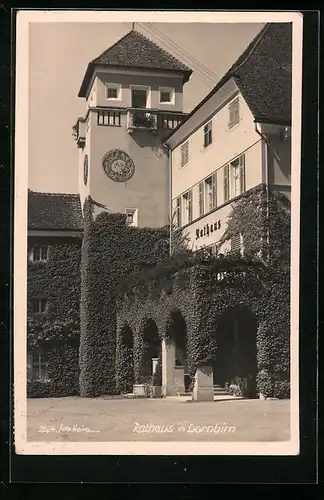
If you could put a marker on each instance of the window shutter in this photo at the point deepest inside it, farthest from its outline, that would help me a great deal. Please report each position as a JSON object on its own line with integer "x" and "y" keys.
{"x": 190, "y": 205}
{"x": 201, "y": 198}
{"x": 242, "y": 174}
{"x": 178, "y": 212}
{"x": 214, "y": 188}
{"x": 236, "y": 243}
{"x": 226, "y": 183}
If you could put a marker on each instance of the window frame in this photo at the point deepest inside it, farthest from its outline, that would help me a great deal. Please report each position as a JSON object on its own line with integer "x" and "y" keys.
{"x": 183, "y": 156}
{"x": 115, "y": 86}
{"x": 187, "y": 206}
{"x": 39, "y": 249}
{"x": 169, "y": 90}
{"x": 134, "y": 213}
{"x": 208, "y": 134}
{"x": 213, "y": 192}
{"x": 40, "y": 301}
{"x": 147, "y": 88}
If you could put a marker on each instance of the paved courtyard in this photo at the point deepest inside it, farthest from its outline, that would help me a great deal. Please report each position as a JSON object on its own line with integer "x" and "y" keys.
{"x": 172, "y": 419}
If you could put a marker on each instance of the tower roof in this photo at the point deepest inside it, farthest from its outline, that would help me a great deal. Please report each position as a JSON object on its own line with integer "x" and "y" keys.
{"x": 134, "y": 50}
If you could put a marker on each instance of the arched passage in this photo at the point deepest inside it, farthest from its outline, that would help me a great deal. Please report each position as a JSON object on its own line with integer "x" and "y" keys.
{"x": 236, "y": 355}
{"x": 125, "y": 359}
{"x": 151, "y": 346}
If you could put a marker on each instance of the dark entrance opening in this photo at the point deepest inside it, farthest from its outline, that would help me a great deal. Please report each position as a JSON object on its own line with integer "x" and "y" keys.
{"x": 151, "y": 346}
{"x": 236, "y": 356}
{"x": 177, "y": 330}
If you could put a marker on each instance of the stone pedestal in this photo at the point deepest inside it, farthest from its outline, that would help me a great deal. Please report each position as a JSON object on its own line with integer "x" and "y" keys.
{"x": 139, "y": 390}
{"x": 172, "y": 376}
{"x": 203, "y": 388}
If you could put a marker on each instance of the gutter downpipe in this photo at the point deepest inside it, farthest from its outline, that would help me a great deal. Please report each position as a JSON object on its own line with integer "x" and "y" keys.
{"x": 170, "y": 194}
{"x": 266, "y": 142}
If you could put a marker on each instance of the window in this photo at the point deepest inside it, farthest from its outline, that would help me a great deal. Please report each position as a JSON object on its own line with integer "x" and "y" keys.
{"x": 140, "y": 97}
{"x": 113, "y": 91}
{"x": 187, "y": 207}
{"x": 184, "y": 153}
{"x": 234, "y": 112}
{"x": 39, "y": 253}
{"x": 38, "y": 365}
{"x": 178, "y": 212}
{"x": 210, "y": 193}
{"x": 208, "y": 134}
{"x": 234, "y": 178}
{"x": 167, "y": 95}
{"x": 131, "y": 216}
{"x": 237, "y": 177}
{"x": 39, "y": 305}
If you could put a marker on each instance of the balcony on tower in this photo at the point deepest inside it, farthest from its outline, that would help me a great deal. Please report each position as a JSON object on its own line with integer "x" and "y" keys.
{"x": 152, "y": 119}
{"x": 142, "y": 119}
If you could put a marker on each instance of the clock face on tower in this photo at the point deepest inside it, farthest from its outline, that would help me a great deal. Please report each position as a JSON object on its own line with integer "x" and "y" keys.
{"x": 85, "y": 169}
{"x": 118, "y": 165}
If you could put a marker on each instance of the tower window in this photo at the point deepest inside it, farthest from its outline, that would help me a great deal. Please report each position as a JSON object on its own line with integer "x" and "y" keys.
{"x": 113, "y": 91}
{"x": 167, "y": 95}
{"x": 131, "y": 216}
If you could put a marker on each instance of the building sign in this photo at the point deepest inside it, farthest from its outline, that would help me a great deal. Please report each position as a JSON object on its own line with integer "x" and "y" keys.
{"x": 208, "y": 229}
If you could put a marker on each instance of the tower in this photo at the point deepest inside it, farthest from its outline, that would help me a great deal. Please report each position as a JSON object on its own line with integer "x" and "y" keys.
{"x": 133, "y": 93}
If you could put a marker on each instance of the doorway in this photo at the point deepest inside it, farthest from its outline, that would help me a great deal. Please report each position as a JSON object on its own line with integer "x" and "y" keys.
{"x": 236, "y": 356}
{"x": 139, "y": 97}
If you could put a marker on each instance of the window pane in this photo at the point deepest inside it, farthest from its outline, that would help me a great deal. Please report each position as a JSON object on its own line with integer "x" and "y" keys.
{"x": 165, "y": 97}
{"x": 112, "y": 93}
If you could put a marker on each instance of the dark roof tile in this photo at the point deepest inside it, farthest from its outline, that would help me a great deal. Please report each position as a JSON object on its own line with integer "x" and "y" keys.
{"x": 134, "y": 50}
{"x": 51, "y": 211}
{"x": 263, "y": 74}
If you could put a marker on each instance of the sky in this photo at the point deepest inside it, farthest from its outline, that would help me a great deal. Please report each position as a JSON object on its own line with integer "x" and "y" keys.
{"x": 58, "y": 57}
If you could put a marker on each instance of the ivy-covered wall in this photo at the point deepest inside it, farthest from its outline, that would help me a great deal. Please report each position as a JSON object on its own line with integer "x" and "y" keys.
{"x": 55, "y": 332}
{"x": 202, "y": 292}
{"x": 263, "y": 216}
{"x": 111, "y": 250}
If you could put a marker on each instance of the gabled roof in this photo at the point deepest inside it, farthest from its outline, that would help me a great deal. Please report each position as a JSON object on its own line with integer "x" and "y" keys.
{"x": 134, "y": 50}
{"x": 263, "y": 74}
{"x": 50, "y": 211}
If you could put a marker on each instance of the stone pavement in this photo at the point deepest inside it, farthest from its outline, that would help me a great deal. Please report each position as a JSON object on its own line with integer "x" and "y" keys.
{"x": 76, "y": 419}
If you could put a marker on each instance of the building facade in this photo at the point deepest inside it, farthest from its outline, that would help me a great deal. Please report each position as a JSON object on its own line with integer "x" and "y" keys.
{"x": 237, "y": 138}
{"x": 143, "y": 163}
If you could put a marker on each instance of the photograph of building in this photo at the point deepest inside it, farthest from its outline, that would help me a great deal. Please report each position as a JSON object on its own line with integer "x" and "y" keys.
{"x": 166, "y": 273}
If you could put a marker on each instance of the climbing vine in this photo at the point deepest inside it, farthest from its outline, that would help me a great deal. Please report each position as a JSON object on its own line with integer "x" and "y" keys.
{"x": 111, "y": 251}
{"x": 262, "y": 217}
{"x": 56, "y": 332}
